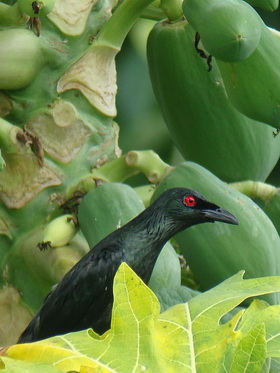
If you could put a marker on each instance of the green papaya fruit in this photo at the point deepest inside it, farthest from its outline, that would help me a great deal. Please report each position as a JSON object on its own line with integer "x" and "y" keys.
{"x": 269, "y": 5}
{"x": 253, "y": 85}
{"x": 167, "y": 272}
{"x": 216, "y": 251}
{"x": 21, "y": 59}
{"x": 60, "y": 231}
{"x": 111, "y": 205}
{"x": 106, "y": 208}
{"x": 230, "y": 30}
{"x": 204, "y": 125}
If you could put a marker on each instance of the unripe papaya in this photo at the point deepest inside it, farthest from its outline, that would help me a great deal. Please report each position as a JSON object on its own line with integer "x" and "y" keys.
{"x": 216, "y": 251}
{"x": 204, "y": 125}
{"x": 230, "y": 30}
{"x": 269, "y": 5}
{"x": 253, "y": 85}
{"x": 107, "y": 208}
{"x": 21, "y": 58}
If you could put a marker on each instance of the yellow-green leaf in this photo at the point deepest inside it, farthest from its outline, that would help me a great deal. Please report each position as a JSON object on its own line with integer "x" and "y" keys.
{"x": 186, "y": 338}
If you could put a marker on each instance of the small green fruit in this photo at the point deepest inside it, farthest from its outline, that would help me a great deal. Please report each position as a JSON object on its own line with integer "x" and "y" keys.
{"x": 59, "y": 232}
{"x": 21, "y": 58}
{"x": 230, "y": 30}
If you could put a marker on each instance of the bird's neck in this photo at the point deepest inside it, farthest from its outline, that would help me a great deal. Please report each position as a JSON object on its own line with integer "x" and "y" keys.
{"x": 145, "y": 237}
{"x": 159, "y": 228}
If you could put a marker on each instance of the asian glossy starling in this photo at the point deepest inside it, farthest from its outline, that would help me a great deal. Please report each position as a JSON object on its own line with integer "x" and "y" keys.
{"x": 84, "y": 297}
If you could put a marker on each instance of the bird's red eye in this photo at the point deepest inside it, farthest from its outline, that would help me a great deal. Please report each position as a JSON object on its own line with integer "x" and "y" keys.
{"x": 190, "y": 200}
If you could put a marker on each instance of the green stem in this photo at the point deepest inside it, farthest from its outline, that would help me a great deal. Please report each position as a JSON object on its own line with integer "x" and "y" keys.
{"x": 153, "y": 13}
{"x": 256, "y": 189}
{"x": 11, "y": 15}
{"x": 117, "y": 27}
{"x": 149, "y": 163}
{"x": 130, "y": 164}
{"x": 115, "y": 171}
{"x": 84, "y": 186}
{"x": 120, "y": 169}
{"x": 8, "y": 137}
{"x": 172, "y": 8}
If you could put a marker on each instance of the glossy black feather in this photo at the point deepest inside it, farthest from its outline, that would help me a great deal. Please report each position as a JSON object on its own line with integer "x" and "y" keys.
{"x": 84, "y": 297}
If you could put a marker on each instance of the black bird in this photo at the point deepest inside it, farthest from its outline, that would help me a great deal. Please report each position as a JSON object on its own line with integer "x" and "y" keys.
{"x": 84, "y": 297}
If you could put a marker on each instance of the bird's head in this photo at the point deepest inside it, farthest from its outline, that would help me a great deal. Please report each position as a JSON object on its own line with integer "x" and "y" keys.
{"x": 190, "y": 207}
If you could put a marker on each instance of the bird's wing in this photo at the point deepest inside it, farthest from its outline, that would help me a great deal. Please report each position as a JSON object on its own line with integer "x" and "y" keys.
{"x": 82, "y": 299}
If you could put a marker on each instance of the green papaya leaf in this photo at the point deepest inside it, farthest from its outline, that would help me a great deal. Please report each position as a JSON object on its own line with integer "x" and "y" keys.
{"x": 275, "y": 365}
{"x": 19, "y": 366}
{"x": 250, "y": 353}
{"x": 188, "y": 337}
{"x": 2, "y": 364}
{"x": 259, "y": 312}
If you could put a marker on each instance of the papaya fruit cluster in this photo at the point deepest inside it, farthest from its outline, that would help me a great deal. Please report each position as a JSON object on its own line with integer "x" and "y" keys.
{"x": 196, "y": 106}
{"x": 215, "y": 75}
{"x": 247, "y": 53}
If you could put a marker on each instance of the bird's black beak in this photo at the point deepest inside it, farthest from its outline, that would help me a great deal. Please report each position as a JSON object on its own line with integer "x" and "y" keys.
{"x": 220, "y": 214}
